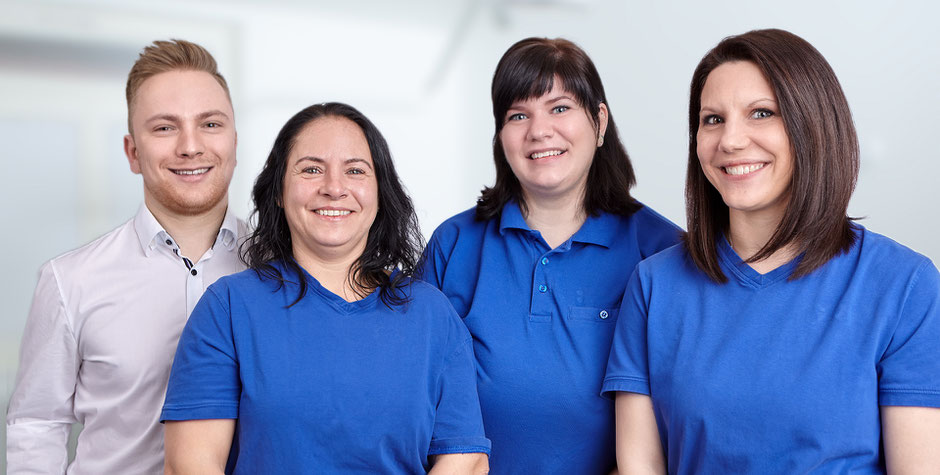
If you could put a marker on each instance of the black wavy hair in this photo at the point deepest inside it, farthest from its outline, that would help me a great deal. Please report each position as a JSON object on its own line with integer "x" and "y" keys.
{"x": 394, "y": 238}
{"x": 527, "y": 70}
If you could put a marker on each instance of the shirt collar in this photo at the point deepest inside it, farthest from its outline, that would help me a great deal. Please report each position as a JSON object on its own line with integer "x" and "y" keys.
{"x": 151, "y": 233}
{"x": 600, "y": 230}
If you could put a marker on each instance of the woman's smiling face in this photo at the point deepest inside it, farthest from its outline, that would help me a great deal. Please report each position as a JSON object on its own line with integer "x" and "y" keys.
{"x": 742, "y": 143}
{"x": 330, "y": 190}
{"x": 549, "y": 142}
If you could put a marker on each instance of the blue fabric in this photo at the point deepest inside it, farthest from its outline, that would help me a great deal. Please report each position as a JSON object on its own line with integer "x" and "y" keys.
{"x": 766, "y": 375}
{"x": 328, "y": 386}
{"x": 542, "y": 320}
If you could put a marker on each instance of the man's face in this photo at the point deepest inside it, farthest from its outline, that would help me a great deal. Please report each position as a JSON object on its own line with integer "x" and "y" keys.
{"x": 182, "y": 142}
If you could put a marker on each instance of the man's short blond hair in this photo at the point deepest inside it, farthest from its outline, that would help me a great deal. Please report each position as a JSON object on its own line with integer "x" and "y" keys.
{"x": 173, "y": 55}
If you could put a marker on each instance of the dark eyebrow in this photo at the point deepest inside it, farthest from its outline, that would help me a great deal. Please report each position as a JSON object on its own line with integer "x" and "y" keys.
{"x": 345, "y": 162}
{"x": 560, "y": 98}
{"x": 763, "y": 99}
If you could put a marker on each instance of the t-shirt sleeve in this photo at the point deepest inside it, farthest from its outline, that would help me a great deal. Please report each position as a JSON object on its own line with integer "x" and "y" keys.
{"x": 458, "y": 423}
{"x": 431, "y": 266}
{"x": 204, "y": 382}
{"x": 909, "y": 371}
{"x": 628, "y": 364}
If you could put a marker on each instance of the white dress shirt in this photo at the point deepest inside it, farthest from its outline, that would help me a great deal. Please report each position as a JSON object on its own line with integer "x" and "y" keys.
{"x": 98, "y": 347}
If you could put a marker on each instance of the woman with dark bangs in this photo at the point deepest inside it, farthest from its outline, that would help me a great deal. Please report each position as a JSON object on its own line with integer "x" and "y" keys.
{"x": 780, "y": 337}
{"x": 537, "y": 269}
{"x": 326, "y": 353}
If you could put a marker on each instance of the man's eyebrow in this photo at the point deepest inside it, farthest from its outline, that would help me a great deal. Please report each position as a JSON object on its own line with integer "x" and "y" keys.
{"x": 176, "y": 118}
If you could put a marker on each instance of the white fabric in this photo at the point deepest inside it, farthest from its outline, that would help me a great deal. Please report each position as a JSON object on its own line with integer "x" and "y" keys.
{"x": 98, "y": 346}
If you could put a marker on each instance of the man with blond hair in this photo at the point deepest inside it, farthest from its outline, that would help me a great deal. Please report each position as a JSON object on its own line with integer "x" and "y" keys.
{"x": 106, "y": 317}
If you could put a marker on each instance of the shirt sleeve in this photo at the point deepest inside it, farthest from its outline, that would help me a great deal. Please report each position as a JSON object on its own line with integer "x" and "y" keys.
{"x": 204, "y": 382}
{"x": 431, "y": 266}
{"x": 628, "y": 364}
{"x": 40, "y": 414}
{"x": 458, "y": 422}
{"x": 909, "y": 371}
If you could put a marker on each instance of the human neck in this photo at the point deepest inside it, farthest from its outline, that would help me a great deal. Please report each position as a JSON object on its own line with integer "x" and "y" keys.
{"x": 194, "y": 234}
{"x": 748, "y": 233}
{"x": 331, "y": 271}
{"x": 556, "y": 218}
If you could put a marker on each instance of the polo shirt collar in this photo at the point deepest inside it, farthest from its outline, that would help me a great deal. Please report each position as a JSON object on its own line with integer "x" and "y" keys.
{"x": 600, "y": 230}
{"x": 151, "y": 234}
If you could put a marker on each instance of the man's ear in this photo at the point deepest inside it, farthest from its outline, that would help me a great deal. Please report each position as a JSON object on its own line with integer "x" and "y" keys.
{"x": 130, "y": 150}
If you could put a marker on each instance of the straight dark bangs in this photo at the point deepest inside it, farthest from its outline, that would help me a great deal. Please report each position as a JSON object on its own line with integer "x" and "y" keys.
{"x": 524, "y": 81}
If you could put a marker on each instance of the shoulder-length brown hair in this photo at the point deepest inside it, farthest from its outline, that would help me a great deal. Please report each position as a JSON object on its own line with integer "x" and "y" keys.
{"x": 527, "y": 70}
{"x": 824, "y": 145}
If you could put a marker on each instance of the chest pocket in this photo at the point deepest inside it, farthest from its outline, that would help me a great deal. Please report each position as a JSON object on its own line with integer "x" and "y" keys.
{"x": 602, "y": 315}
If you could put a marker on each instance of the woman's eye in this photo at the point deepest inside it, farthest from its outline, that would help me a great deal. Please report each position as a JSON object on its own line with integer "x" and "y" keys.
{"x": 712, "y": 120}
{"x": 516, "y": 116}
{"x": 356, "y": 171}
{"x": 559, "y": 109}
{"x": 762, "y": 113}
{"x": 311, "y": 170}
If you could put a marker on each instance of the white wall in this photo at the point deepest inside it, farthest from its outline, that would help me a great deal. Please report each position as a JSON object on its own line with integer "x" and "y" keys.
{"x": 420, "y": 69}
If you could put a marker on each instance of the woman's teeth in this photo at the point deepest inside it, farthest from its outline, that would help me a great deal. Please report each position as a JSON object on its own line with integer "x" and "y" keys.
{"x": 550, "y": 153}
{"x": 743, "y": 169}
{"x": 332, "y": 212}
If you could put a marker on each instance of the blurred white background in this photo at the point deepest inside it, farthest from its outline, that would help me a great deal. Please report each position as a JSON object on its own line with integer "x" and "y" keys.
{"x": 421, "y": 70}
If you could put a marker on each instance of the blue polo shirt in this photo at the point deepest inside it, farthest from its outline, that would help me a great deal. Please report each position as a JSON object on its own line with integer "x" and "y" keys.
{"x": 766, "y": 375}
{"x": 327, "y": 386}
{"x": 542, "y": 320}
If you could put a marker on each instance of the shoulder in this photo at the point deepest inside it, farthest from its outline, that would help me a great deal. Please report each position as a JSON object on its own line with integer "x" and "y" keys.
{"x": 429, "y": 302}
{"x": 649, "y": 218}
{"x": 98, "y": 255}
{"x": 672, "y": 261}
{"x": 886, "y": 255}
{"x": 653, "y": 231}
{"x": 455, "y": 226}
{"x": 247, "y": 280}
{"x": 878, "y": 247}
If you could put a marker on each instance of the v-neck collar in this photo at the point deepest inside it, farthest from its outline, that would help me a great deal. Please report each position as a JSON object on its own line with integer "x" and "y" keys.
{"x": 746, "y": 274}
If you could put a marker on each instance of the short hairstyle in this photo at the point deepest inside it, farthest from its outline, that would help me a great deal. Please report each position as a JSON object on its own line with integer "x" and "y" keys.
{"x": 394, "y": 238}
{"x": 528, "y": 70}
{"x": 163, "y": 56}
{"x": 824, "y": 144}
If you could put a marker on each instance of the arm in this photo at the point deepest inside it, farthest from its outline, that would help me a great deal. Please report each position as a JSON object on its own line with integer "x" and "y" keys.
{"x": 459, "y": 464}
{"x": 911, "y": 439}
{"x": 41, "y": 413}
{"x": 198, "y": 446}
{"x": 639, "y": 450}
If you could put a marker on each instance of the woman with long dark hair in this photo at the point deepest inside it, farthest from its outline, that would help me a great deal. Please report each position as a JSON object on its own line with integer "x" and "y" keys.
{"x": 537, "y": 269}
{"x": 781, "y": 337}
{"x": 326, "y": 353}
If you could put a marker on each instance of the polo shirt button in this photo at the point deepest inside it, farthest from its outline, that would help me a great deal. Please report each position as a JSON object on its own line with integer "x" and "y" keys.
{"x": 543, "y": 288}
{"x": 193, "y": 272}
{"x": 544, "y": 261}
{"x": 604, "y": 314}
{"x": 169, "y": 243}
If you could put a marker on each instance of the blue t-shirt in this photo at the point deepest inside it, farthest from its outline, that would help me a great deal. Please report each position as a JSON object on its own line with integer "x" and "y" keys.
{"x": 542, "y": 320}
{"x": 767, "y": 375}
{"x": 327, "y": 385}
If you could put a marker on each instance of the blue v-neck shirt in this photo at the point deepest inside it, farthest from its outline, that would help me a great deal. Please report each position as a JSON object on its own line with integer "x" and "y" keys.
{"x": 328, "y": 386}
{"x": 767, "y": 375}
{"x": 542, "y": 320}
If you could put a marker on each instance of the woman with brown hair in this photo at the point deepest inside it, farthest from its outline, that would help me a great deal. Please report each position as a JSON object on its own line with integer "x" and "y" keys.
{"x": 537, "y": 269}
{"x": 780, "y": 337}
